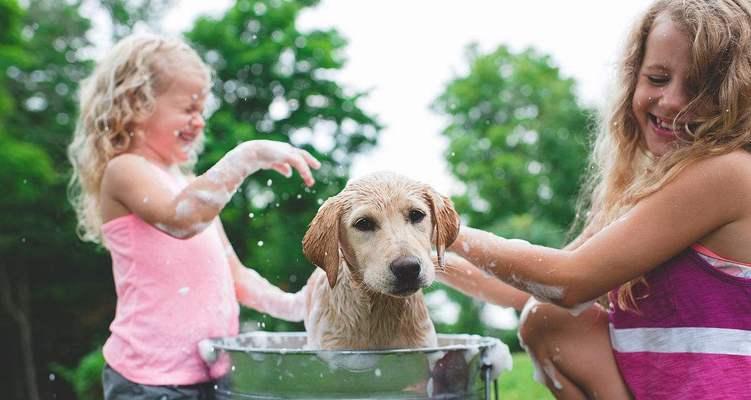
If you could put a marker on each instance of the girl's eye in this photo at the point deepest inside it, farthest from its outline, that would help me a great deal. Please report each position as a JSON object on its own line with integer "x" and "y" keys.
{"x": 415, "y": 216}
{"x": 364, "y": 225}
{"x": 658, "y": 79}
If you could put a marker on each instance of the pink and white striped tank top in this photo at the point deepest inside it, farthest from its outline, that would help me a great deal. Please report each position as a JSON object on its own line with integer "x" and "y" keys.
{"x": 691, "y": 335}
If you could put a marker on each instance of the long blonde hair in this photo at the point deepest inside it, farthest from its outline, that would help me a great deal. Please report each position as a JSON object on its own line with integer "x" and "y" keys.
{"x": 622, "y": 172}
{"x": 121, "y": 91}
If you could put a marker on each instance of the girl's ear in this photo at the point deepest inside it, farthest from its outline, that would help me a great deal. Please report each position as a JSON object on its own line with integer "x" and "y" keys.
{"x": 445, "y": 221}
{"x": 320, "y": 245}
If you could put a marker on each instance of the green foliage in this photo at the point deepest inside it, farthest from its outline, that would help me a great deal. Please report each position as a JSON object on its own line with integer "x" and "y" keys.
{"x": 518, "y": 384}
{"x": 23, "y": 189}
{"x": 517, "y": 139}
{"x": 86, "y": 377}
{"x": 125, "y": 15}
{"x": 45, "y": 51}
{"x": 11, "y": 51}
{"x": 273, "y": 83}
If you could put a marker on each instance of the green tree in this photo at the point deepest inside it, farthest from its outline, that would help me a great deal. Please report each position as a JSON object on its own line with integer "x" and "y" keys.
{"x": 21, "y": 190}
{"x": 274, "y": 83}
{"x": 63, "y": 287}
{"x": 518, "y": 141}
{"x": 126, "y": 15}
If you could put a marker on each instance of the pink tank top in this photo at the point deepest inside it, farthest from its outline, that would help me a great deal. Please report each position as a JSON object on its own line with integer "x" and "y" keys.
{"x": 171, "y": 294}
{"x": 691, "y": 335}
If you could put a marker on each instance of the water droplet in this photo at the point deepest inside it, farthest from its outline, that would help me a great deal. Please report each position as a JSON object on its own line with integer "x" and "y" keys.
{"x": 377, "y": 372}
{"x": 299, "y": 196}
{"x": 52, "y": 377}
{"x": 251, "y": 215}
{"x": 260, "y": 243}
{"x": 269, "y": 182}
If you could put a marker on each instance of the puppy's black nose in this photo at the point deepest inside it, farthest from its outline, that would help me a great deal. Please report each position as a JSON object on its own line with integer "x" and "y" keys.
{"x": 406, "y": 269}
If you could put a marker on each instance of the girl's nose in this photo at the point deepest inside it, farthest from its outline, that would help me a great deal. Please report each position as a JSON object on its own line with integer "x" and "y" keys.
{"x": 197, "y": 120}
{"x": 673, "y": 98}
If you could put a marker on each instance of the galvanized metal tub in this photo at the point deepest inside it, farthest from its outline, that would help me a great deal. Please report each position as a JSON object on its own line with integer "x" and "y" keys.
{"x": 276, "y": 365}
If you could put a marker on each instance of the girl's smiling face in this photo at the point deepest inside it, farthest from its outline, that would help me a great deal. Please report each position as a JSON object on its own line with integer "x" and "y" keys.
{"x": 171, "y": 131}
{"x": 662, "y": 87}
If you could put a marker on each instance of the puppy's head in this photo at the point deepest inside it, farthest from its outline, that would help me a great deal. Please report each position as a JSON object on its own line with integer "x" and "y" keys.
{"x": 383, "y": 225}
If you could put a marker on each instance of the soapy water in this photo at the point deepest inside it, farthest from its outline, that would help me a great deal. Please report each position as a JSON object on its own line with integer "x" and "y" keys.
{"x": 457, "y": 368}
{"x": 545, "y": 293}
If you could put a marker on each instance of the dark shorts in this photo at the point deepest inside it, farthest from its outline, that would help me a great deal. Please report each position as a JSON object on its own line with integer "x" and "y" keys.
{"x": 117, "y": 387}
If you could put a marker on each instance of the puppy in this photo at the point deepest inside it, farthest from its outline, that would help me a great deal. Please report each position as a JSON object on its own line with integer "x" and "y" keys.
{"x": 372, "y": 243}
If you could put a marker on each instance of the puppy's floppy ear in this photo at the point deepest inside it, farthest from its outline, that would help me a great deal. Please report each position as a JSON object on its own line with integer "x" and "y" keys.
{"x": 320, "y": 245}
{"x": 445, "y": 221}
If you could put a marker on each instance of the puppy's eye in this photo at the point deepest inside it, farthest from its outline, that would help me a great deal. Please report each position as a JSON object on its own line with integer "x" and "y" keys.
{"x": 415, "y": 216}
{"x": 364, "y": 225}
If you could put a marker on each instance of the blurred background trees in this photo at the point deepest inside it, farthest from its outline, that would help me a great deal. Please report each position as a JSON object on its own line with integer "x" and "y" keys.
{"x": 518, "y": 141}
{"x": 516, "y": 133}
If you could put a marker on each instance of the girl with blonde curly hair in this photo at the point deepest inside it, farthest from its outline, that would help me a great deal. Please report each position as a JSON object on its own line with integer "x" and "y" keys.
{"x": 177, "y": 278}
{"x": 667, "y": 233}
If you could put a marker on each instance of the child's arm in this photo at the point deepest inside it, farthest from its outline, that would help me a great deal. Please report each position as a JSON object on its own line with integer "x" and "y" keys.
{"x": 129, "y": 181}
{"x": 253, "y": 291}
{"x": 703, "y": 198}
{"x": 476, "y": 282}
{"x": 473, "y": 281}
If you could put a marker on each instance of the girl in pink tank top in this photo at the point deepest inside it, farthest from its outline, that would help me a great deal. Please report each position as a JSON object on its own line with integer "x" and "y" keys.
{"x": 177, "y": 278}
{"x": 670, "y": 190}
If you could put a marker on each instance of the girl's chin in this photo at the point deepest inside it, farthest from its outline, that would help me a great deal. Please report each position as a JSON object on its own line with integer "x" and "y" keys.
{"x": 659, "y": 148}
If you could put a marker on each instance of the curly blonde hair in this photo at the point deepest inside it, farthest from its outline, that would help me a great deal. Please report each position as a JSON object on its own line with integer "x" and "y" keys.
{"x": 622, "y": 172}
{"x": 120, "y": 92}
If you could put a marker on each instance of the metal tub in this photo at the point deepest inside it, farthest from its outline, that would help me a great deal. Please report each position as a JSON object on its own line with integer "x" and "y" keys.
{"x": 276, "y": 365}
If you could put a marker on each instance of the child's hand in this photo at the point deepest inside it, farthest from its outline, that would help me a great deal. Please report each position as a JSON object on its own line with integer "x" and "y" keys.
{"x": 282, "y": 157}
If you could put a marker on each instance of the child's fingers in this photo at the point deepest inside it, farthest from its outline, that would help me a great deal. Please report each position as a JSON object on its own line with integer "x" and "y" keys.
{"x": 297, "y": 162}
{"x": 282, "y": 168}
{"x": 312, "y": 161}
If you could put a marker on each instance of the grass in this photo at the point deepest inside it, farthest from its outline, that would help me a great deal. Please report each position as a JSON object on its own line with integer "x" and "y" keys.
{"x": 518, "y": 384}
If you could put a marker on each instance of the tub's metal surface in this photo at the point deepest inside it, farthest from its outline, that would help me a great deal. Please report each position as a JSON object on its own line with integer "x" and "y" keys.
{"x": 276, "y": 365}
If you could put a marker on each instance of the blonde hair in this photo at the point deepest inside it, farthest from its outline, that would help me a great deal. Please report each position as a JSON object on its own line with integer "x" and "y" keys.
{"x": 622, "y": 172}
{"x": 121, "y": 91}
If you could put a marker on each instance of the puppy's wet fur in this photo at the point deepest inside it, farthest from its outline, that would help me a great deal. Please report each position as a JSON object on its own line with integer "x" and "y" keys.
{"x": 372, "y": 243}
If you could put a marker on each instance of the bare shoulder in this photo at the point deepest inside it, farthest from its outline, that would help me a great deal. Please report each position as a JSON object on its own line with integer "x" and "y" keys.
{"x": 732, "y": 192}
{"x": 724, "y": 174}
{"x": 124, "y": 165}
{"x": 124, "y": 171}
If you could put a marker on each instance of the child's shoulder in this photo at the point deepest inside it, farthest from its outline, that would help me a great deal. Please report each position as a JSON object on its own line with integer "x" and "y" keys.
{"x": 126, "y": 167}
{"x": 722, "y": 172}
{"x": 735, "y": 164}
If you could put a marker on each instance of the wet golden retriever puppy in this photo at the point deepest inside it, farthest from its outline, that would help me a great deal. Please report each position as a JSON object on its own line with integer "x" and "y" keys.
{"x": 372, "y": 243}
